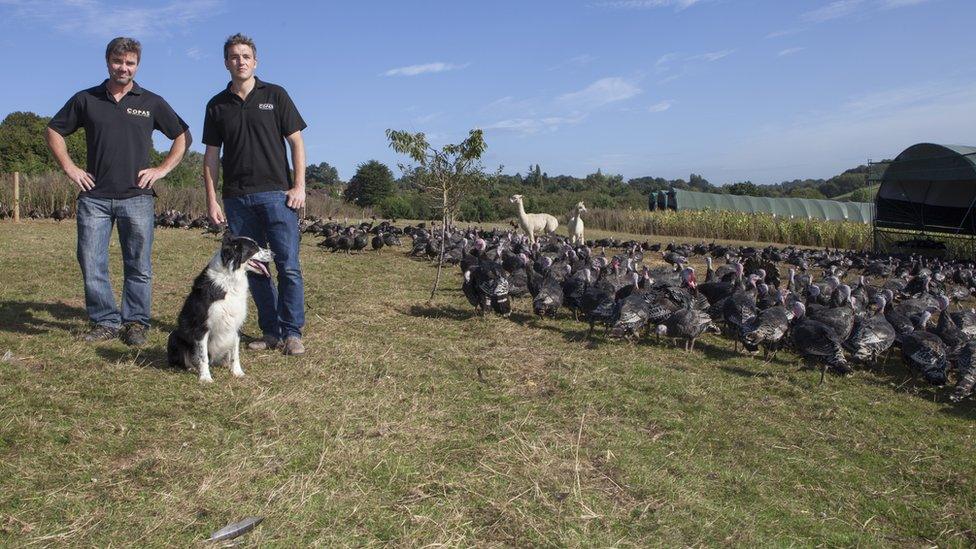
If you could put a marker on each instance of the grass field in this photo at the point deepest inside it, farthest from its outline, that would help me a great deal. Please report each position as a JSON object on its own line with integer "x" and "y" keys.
{"x": 384, "y": 434}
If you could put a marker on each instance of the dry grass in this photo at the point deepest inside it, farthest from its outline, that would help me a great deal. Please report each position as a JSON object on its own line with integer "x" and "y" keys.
{"x": 734, "y": 226}
{"x": 384, "y": 434}
{"x": 42, "y": 194}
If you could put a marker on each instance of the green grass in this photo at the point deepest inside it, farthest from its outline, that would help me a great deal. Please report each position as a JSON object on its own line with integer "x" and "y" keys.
{"x": 871, "y": 191}
{"x": 384, "y": 434}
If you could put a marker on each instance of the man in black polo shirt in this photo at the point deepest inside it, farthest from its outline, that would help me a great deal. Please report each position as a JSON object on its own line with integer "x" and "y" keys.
{"x": 252, "y": 120}
{"x": 116, "y": 187}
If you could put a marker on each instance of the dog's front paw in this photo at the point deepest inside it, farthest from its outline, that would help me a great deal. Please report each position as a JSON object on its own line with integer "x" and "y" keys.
{"x": 237, "y": 373}
{"x": 206, "y": 379}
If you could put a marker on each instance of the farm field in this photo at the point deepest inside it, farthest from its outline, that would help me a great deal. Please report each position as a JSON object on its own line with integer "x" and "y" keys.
{"x": 384, "y": 433}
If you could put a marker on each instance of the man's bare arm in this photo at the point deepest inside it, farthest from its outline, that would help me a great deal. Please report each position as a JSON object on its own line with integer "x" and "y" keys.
{"x": 149, "y": 176}
{"x": 211, "y": 165}
{"x": 296, "y": 194}
{"x": 55, "y": 142}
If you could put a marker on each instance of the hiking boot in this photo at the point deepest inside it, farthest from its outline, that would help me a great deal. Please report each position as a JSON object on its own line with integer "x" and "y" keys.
{"x": 263, "y": 344}
{"x": 293, "y": 346}
{"x": 100, "y": 332}
{"x": 134, "y": 334}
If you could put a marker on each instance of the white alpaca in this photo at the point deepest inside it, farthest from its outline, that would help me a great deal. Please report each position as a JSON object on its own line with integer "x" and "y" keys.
{"x": 532, "y": 223}
{"x": 575, "y": 224}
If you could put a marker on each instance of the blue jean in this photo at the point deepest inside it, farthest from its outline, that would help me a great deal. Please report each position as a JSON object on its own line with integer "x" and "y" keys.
{"x": 135, "y": 218}
{"x": 266, "y": 218}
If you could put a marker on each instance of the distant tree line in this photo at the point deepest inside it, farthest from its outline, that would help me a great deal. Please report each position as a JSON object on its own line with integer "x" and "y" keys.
{"x": 373, "y": 185}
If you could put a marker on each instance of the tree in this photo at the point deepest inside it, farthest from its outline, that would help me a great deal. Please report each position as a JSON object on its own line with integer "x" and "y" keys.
{"x": 372, "y": 183}
{"x": 321, "y": 175}
{"x": 807, "y": 192}
{"x": 448, "y": 172}
{"x": 23, "y": 147}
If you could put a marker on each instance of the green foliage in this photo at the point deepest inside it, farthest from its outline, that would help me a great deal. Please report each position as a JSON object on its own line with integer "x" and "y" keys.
{"x": 806, "y": 192}
{"x": 746, "y": 188}
{"x": 188, "y": 173}
{"x": 864, "y": 194}
{"x": 372, "y": 183}
{"x": 450, "y": 172}
{"x": 396, "y": 207}
{"x": 321, "y": 176}
{"x": 23, "y": 147}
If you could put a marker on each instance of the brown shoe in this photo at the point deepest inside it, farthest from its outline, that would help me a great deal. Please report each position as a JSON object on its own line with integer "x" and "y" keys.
{"x": 100, "y": 332}
{"x": 293, "y": 346}
{"x": 265, "y": 343}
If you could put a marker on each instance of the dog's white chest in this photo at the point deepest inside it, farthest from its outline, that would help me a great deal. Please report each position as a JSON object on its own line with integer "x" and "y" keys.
{"x": 228, "y": 314}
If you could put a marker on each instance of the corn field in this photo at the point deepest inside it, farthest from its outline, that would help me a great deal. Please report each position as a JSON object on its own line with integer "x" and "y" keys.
{"x": 727, "y": 225}
{"x": 40, "y": 195}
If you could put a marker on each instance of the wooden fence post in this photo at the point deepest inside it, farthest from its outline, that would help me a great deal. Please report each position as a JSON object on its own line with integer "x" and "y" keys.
{"x": 16, "y": 197}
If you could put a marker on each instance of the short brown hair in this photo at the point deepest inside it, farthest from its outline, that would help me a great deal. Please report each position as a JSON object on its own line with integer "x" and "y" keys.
{"x": 239, "y": 39}
{"x": 123, "y": 44}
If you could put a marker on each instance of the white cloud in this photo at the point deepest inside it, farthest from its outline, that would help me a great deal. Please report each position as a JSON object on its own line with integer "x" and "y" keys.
{"x": 844, "y": 8}
{"x": 529, "y": 126}
{"x": 663, "y": 63}
{"x": 711, "y": 56}
{"x": 661, "y": 106}
{"x": 427, "y": 68}
{"x": 833, "y": 10}
{"x": 601, "y": 92}
{"x": 646, "y": 4}
{"x": 195, "y": 53}
{"x": 888, "y": 4}
{"x": 95, "y": 18}
{"x": 789, "y": 51}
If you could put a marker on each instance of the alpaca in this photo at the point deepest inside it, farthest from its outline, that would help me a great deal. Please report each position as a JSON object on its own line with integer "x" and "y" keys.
{"x": 576, "y": 224}
{"x": 531, "y": 223}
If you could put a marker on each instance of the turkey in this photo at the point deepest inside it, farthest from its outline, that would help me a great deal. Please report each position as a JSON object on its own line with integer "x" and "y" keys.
{"x": 739, "y": 310}
{"x": 840, "y": 317}
{"x": 966, "y": 320}
{"x": 948, "y": 332}
{"x": 871, "y": 335}
{"x": 631, "y": 316}
{"x": 925, "y": 353}
{"x": 549, "y": 298}
{"x": 687, "y": 324}
{"x": 966, "y": 366}
{"x": 818, "y": 341}
{"x": 486, "y": 287}
{"x": 598, "y": 305}
{"x": 768, "y": 329}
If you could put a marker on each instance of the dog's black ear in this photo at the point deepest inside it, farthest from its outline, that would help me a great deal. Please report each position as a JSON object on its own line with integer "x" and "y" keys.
{"x": 227, "y": 253}
{"x": 228, "y": 236}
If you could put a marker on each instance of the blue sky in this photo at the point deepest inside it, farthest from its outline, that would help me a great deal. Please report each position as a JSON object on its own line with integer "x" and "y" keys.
{"x": 761, "y": 90}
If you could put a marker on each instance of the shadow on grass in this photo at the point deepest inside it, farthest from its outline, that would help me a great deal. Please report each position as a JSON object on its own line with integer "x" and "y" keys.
{"x": 21, "y": 317}
{"x": 149, "y": 357}
{"x": 449, "y": 312}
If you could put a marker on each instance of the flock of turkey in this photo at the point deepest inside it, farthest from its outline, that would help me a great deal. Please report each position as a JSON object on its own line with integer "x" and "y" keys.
{"x": 888, "y": 303}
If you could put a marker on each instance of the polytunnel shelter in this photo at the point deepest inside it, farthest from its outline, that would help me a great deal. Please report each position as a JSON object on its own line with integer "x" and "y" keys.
{"x": 792, "y": 208}
{"x": 926, "y": 199}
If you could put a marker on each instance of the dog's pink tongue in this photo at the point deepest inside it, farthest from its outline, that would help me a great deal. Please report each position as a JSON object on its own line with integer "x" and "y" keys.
{"x": 261, "y": 266}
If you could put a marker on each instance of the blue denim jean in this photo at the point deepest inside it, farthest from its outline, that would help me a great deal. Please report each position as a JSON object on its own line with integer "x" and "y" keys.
{"x": 266, "y": 218}
{"x": 135, "y": 218}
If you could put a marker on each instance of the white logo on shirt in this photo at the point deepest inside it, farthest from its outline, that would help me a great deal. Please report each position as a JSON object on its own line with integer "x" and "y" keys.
{"x": 137, "y": 112}
{"x": 266, "y": 106}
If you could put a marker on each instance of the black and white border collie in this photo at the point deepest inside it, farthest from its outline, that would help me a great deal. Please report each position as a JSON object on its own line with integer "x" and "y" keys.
{"x": 208, "y": 328}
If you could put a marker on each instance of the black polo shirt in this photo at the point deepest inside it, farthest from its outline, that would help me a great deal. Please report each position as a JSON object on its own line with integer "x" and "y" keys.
{"x": 118, "y": 135}
{"x": 252, "y": 132}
